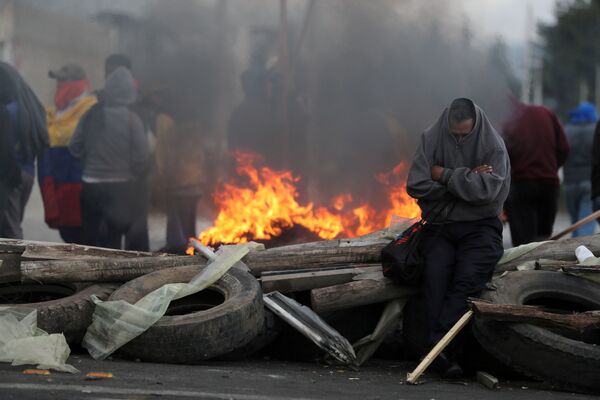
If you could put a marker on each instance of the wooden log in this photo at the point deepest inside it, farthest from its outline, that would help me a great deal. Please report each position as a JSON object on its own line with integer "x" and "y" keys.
{"x": 34, "y": 250}
{"x": 312, "y": 279}
{"x": 357, "y": 293}
{"x": 563, "y": 250}
{"x": 100, "y": 269}
{"x": 535, "y": 315}
{"x": 317, "y": 255}
{"x": 581, "y": 268}
{"x": 110, "y": 269}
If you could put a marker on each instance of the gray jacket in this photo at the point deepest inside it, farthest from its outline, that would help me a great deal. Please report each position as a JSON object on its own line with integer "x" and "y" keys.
{"x": 110, "y": 139}
{"x": 474, "y": 196}
{"x": 578, "y": 167}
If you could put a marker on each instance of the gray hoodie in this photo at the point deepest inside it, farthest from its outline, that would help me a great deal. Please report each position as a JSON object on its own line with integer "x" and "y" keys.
{"x": 476, "y": 196}
{"x": 110, "y": 139}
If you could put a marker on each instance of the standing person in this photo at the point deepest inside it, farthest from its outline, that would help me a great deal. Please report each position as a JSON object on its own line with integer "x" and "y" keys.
{"x": 538, "y": 147}
{"x": 28, "y": 138}
{"x": 137, "y": 237}
{"x": 180, "y": 168}
{"x": 578, "y": 167}
{"x": 460, "y": 176}
{"x": 59, "y": 173}
{"x": 111, "y": 143}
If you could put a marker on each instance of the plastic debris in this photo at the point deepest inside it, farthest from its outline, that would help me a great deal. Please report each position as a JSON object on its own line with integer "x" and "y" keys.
{"x": 308, "y": 323}
{"x": 117, "y": 322}
{"x": 22, "y": 342}
{"x": 366, "y": 346}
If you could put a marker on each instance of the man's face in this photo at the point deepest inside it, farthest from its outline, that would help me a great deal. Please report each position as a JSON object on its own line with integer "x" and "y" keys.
{"x": 462, "y": 128}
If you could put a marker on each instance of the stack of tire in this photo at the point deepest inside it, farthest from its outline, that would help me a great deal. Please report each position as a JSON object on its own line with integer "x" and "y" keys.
{"x": 570, "y": 359}
{"x": 227, "y": 320}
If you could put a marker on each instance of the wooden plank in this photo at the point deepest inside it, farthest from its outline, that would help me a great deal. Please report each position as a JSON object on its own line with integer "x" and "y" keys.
{"x": 535, "y": 315}
{"x": 563, "y": 250}
{"x": 439, "y": 347}
{"x": 357, "y": 293}
{"x": 100, "y": 269}
{"x": 294, "y": 282}
{"x": 53, "y": 251}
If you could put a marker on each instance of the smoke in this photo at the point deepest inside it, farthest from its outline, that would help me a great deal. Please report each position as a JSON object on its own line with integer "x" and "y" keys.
{"x": 368, "y": 77}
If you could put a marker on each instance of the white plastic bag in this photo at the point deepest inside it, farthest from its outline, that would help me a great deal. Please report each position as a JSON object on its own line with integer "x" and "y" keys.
{"x": 117, "y": 322}
{"x": 21, "y": 342}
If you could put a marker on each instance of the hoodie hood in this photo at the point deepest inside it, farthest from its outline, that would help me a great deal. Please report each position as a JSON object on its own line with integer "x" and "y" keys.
{"x": 119, "y": 89}
{"x": 584, "y": 114}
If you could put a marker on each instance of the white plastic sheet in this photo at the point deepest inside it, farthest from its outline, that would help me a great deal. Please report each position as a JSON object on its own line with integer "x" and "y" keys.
{"x": 117, "y": 322}
{"x": 22, "y": 342}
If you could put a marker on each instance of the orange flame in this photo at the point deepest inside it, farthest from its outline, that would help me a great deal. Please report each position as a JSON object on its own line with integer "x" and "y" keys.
{"x": 268, "y": 204}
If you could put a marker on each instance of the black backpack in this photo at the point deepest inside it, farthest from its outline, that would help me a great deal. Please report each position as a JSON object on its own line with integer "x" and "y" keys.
{"x": 401, "y": 259}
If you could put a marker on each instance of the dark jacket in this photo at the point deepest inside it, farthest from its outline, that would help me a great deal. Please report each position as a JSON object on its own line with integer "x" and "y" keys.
{"x": 110, "y": 139}
{"x": 596, "y": 163}
{"x": 10, "y": 172}
{"x": 536, "y": 143}
{"x": 475, "y": 196}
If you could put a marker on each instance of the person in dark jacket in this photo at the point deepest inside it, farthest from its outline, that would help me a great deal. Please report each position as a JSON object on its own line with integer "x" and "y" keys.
{"x": 111, "y": 143}
{"x": 460, "y": 176}
{"x": 26, "y": 139}
{"x": 538, "y": 147}
{"x": 578, "y": 167}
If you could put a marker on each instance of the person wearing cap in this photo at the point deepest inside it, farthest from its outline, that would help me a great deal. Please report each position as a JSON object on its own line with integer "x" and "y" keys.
{"x": 59, "y": 172}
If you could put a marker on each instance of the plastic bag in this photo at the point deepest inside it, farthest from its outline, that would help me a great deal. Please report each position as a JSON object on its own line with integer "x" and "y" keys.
{"x": 22, "y": 342}
{"x": 117, "y": 322}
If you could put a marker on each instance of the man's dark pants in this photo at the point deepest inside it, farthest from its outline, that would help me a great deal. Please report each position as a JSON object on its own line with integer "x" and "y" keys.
{"x": 108, "y": 206}
{"x": 531, "y": 208}
{"x": 459, "y": 259}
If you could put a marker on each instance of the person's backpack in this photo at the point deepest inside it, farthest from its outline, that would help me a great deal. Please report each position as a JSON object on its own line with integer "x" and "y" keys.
{"x": 402, "y": 259}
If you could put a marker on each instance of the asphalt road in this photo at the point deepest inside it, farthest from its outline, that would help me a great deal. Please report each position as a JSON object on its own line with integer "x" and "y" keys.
{"x": 252, "y": 380}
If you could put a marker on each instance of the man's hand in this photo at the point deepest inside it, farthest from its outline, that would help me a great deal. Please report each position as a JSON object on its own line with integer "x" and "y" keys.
{"x": 482, "y": 169}
{"x": 436, "y": 172}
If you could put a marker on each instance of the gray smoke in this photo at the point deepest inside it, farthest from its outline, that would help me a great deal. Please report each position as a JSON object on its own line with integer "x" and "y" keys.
{"x": 369, "y": 76}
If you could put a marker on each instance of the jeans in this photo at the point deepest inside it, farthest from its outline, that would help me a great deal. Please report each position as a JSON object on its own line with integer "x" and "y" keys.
{"x": 579, "y": 204}
{"x": 106, "y": 213}
{"x": 181, "y": 221}
{"x": 459, "y": 259}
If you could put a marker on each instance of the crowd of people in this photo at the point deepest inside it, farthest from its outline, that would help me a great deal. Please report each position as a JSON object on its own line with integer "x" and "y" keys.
{"x": 95, "y": 153}
{"x": 97, "y": 149}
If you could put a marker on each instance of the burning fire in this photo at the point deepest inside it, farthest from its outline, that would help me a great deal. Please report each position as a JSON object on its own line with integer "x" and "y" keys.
{"x": 268, "y": 204}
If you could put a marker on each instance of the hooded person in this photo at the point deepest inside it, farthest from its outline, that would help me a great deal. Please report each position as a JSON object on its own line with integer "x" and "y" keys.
{"x": 460, "y": 176}
{"x": 578, "y": 167}
{"x": 27, "y": 138}
{"x": 59, "y": 172}
{"x": 112, "y": 145}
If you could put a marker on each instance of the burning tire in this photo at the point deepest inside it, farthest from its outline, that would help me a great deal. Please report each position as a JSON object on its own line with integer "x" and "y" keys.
{"x": 64, "y": 309}
{"x": 208, "y": 324}
{"x": 568, "y": 358}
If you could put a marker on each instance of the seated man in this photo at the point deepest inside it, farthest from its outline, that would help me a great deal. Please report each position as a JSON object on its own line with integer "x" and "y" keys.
{"x": 461, "y": 177}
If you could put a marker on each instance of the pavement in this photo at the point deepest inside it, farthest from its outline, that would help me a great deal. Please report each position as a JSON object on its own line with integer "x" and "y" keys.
{"x": 260, "y": 379}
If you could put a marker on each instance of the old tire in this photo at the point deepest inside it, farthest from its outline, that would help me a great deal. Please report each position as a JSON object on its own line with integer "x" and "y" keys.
{"x": 571, "y": 360}
{"x": 64, "y": 309}
{"x": 214, "y": 322}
